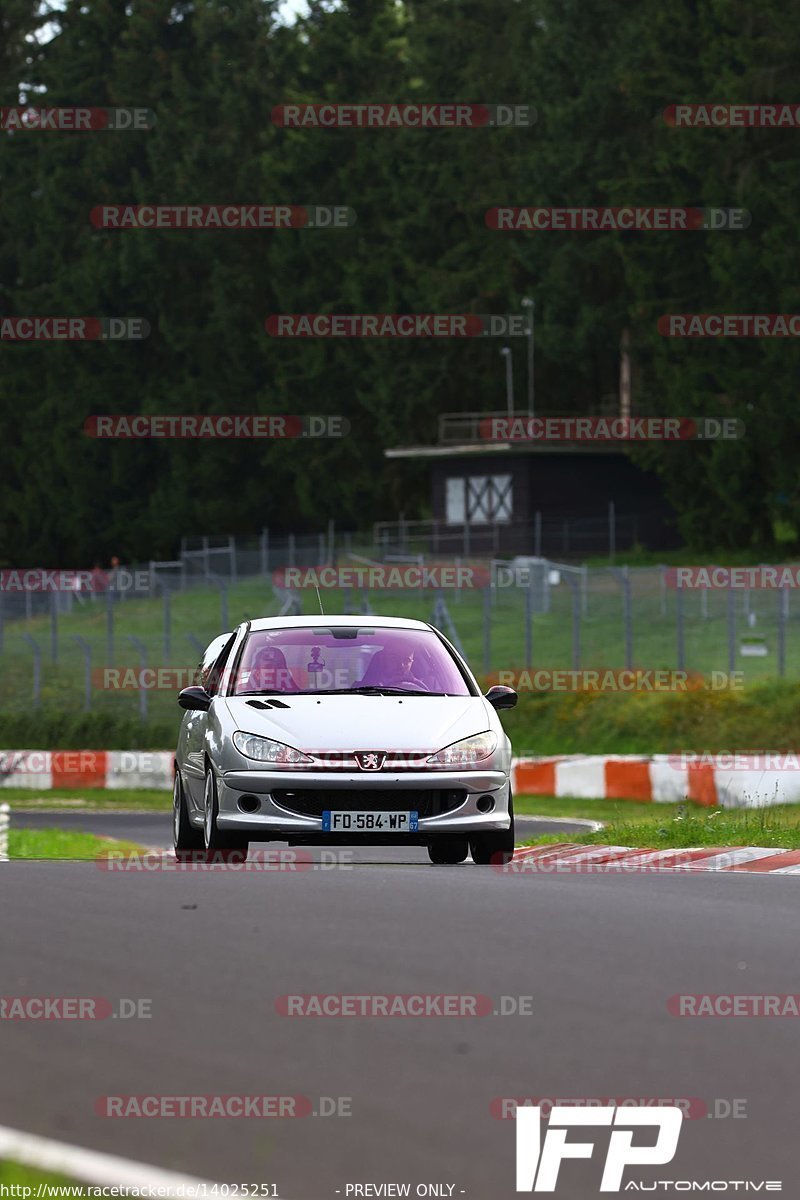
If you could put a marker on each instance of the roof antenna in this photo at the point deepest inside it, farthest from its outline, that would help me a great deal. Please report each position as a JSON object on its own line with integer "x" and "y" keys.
{"x": 321, "y": 609}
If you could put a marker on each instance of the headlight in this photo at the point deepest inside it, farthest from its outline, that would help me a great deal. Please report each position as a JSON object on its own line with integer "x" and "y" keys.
{"x": 466, "y": 752}
{"x": 265, "y": 750}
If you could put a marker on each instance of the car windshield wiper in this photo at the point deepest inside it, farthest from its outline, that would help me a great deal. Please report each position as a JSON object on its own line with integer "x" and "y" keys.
{"x": 374, "y": 689}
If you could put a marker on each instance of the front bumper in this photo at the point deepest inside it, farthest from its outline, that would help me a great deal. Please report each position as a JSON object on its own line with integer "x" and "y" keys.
{"x": 275, "y": 822}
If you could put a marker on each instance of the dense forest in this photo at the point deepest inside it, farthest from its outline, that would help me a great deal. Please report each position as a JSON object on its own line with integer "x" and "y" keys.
{"x": 598, "y": 73}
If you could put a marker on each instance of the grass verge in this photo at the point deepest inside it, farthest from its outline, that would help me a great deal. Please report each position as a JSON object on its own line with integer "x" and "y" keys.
{"x": 58, "y": 843}
{"x": 12, "y": 1173}
{"x": 667, "y": 826}
{"x": 88, "y": 799}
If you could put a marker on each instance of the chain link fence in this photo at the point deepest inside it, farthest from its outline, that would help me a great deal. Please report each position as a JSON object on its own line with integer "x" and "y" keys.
{"x": 132, "y": 648}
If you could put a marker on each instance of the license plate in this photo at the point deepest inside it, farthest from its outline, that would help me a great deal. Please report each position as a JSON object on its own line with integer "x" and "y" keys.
{"x": 369, "y": 822}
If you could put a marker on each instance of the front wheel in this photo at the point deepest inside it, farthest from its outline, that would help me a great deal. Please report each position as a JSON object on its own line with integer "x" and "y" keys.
{"x": 497, "y": 848}
{"x": 448, "y": 851}
{"x": 187, "y": 840}
{"x": 220, "y": 845}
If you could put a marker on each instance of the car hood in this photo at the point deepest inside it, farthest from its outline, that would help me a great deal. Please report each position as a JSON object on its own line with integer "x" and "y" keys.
{"x": 400, "y": 723}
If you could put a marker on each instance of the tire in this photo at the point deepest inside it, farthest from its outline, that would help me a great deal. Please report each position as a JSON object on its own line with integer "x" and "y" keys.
{"x": 448, "y": 851}
{"x": 186, "y": 840}
{"x": 220, "y": 846}
{"x": 497, "y": 848}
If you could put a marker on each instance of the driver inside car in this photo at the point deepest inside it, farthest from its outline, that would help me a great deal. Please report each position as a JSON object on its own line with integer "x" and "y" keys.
{"x": 269, "y": 672}
{"x": 397, "y": 668}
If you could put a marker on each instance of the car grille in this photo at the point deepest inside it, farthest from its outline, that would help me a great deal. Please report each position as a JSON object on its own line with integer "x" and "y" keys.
{"x": 428, "y": 802}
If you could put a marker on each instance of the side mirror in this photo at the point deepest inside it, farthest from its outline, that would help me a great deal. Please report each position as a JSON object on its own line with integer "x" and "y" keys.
{"x": 196, "y": 699}
{"x": 500, "y": 697}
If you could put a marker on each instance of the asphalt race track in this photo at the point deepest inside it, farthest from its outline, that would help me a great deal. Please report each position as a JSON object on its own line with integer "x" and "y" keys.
{"x": 599, "y": 955}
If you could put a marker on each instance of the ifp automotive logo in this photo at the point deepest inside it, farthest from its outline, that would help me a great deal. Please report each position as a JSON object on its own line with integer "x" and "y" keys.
{"x": 538, "y": 1161}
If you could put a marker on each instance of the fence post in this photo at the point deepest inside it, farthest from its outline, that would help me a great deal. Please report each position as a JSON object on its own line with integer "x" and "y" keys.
{"x": 196, "y": 643}
{"x": 731, "y": 598}
{"x": 487, "y": 629}
{"x": 223, "y": 605}
{"x": 53, "y": 627}
{"x": 37, "y": 669}
{"x": 331, "y": 542}
{"x": 137, "y": 645}
{"x": 537, "y": 535}
{"x": 576, "y": 621}
{"x": 680, "y": 647}
{"x": 264, "y": 548}
{"x": 167, "y": 625}
{"x": 627, "y": 622}
{"x": 528, "y": 598}
{"x": 291, "y": 550}
{"x": 612, "y": 531}
{"x": 5, "y": 821}
{"x": 87, "y": 671}
{"x": 110, "y": 627}
{"x": 782, "y": 598}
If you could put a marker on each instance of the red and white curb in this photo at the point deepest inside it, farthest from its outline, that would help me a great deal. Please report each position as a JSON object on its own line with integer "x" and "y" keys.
{"x": 90, "y": 1167}
{"x": 570, "y": 858}
{"x": 656, "y": 779}
{"x": 5, "y": 820}
{"x": 659, "y": 778}
{"x": 112, "y": 769}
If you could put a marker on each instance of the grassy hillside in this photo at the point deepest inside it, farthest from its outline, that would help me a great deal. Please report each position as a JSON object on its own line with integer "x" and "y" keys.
{"x": 760, "y": 717}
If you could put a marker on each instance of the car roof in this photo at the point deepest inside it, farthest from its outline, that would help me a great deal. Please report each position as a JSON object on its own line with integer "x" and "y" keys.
{"x": 363, "y": 620}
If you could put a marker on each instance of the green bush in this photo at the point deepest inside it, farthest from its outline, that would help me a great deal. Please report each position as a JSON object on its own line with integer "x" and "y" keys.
{"x": 759, "y": 717}
{"x": 63, "y": 729}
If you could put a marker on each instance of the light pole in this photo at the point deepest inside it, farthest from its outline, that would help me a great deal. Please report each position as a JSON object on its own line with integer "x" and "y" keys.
{"x": 506, "y": 353}
{"x": 531, "y": 304}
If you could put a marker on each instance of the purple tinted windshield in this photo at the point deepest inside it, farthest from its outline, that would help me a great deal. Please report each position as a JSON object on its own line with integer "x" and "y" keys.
{"x": 335, "y": 658}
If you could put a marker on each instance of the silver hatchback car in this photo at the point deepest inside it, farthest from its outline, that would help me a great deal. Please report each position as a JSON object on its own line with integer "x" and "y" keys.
{"x": 342, "y": 730}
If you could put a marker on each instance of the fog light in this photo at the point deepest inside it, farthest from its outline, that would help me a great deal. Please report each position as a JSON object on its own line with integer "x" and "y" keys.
{"x": 485, "y": 804}
{"x": 249, "y": 804}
